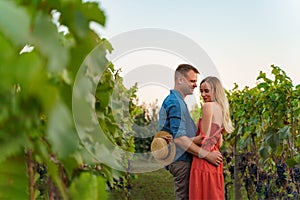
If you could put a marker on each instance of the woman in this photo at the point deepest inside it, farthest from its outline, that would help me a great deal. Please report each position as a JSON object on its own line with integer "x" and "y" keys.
{"x": 206, "y": 179}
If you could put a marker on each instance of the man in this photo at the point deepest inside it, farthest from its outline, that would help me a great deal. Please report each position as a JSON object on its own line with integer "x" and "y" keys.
{"x": 174, "y": 117}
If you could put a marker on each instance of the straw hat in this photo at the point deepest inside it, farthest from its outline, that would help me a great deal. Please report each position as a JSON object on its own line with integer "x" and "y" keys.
{"x": 162, "y": 151}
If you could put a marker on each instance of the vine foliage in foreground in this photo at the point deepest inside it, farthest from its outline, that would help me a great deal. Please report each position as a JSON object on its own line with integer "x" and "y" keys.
{"x": 41, "y": 155}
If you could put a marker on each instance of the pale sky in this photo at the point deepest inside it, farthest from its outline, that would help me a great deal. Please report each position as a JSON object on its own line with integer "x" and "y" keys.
{"x": 242, "y": 37}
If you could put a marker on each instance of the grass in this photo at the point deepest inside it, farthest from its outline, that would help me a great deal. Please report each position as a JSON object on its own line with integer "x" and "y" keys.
{"x": 152, "y": 185}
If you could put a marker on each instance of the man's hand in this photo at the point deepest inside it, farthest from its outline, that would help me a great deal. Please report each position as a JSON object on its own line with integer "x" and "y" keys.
{"x": 197, "y": 139}
{"x": 168, "y": 138}
{"x": 214, "y": 157}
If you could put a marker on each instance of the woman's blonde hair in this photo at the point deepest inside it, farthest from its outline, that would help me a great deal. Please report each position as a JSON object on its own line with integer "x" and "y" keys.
{"x": 218, "y": 95}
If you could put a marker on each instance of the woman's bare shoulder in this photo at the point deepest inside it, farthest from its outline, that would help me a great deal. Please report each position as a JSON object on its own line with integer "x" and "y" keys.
{"x": 208, "y": 105}
{"x": 207, "y": 108}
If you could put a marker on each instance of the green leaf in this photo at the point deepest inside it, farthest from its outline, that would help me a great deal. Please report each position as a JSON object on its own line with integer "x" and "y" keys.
{"x": 264, "y": 151}
{"x": 297, "y": 113}
{"x": 13, "y": 179}
{"x": 63, "y": 137}
{"x": 284, "y": 132}
{"x": 12, "y": 144}
{"x": 7, "y": 56}
{"x": 274, "y": 141}
{"x": 71, "y": 1}
{"x": 298, "y": 141}
{"x": 88, "y": 187}
{"x": 61, "y": 132}
{"x": 93, "y": 13}
{"x": 77, "y": 18}
{"x": 107, "y": 46}
{"x": 14, "y": 22}
{"x": 293, "y": 161}
{"x": 47, "y": 40}
{"x": 279, "y": 150}
{"x": 28, "y": 71}
{"x": 80, "y": 24}
{"x": 276, "y": 70}
{"x": 261, "y": 75}
{"x": 263, "y": 85}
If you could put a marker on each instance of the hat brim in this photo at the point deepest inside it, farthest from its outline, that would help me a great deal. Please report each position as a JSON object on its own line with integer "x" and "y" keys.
{"x": 161, "y": 134}
{"x": 172, "y": 150}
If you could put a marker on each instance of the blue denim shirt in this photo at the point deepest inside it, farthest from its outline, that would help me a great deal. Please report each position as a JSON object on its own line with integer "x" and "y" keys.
{"x": 174, "y": 117}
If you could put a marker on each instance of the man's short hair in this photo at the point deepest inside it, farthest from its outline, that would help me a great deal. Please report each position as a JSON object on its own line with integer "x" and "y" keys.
{"x": 184, "y": 69}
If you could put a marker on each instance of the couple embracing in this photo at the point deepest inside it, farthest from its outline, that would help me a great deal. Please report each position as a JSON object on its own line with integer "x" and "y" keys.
{"x": 197, "y": 167}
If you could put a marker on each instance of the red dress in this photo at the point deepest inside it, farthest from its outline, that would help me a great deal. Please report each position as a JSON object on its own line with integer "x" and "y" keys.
{"x": 207, "y": 180}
